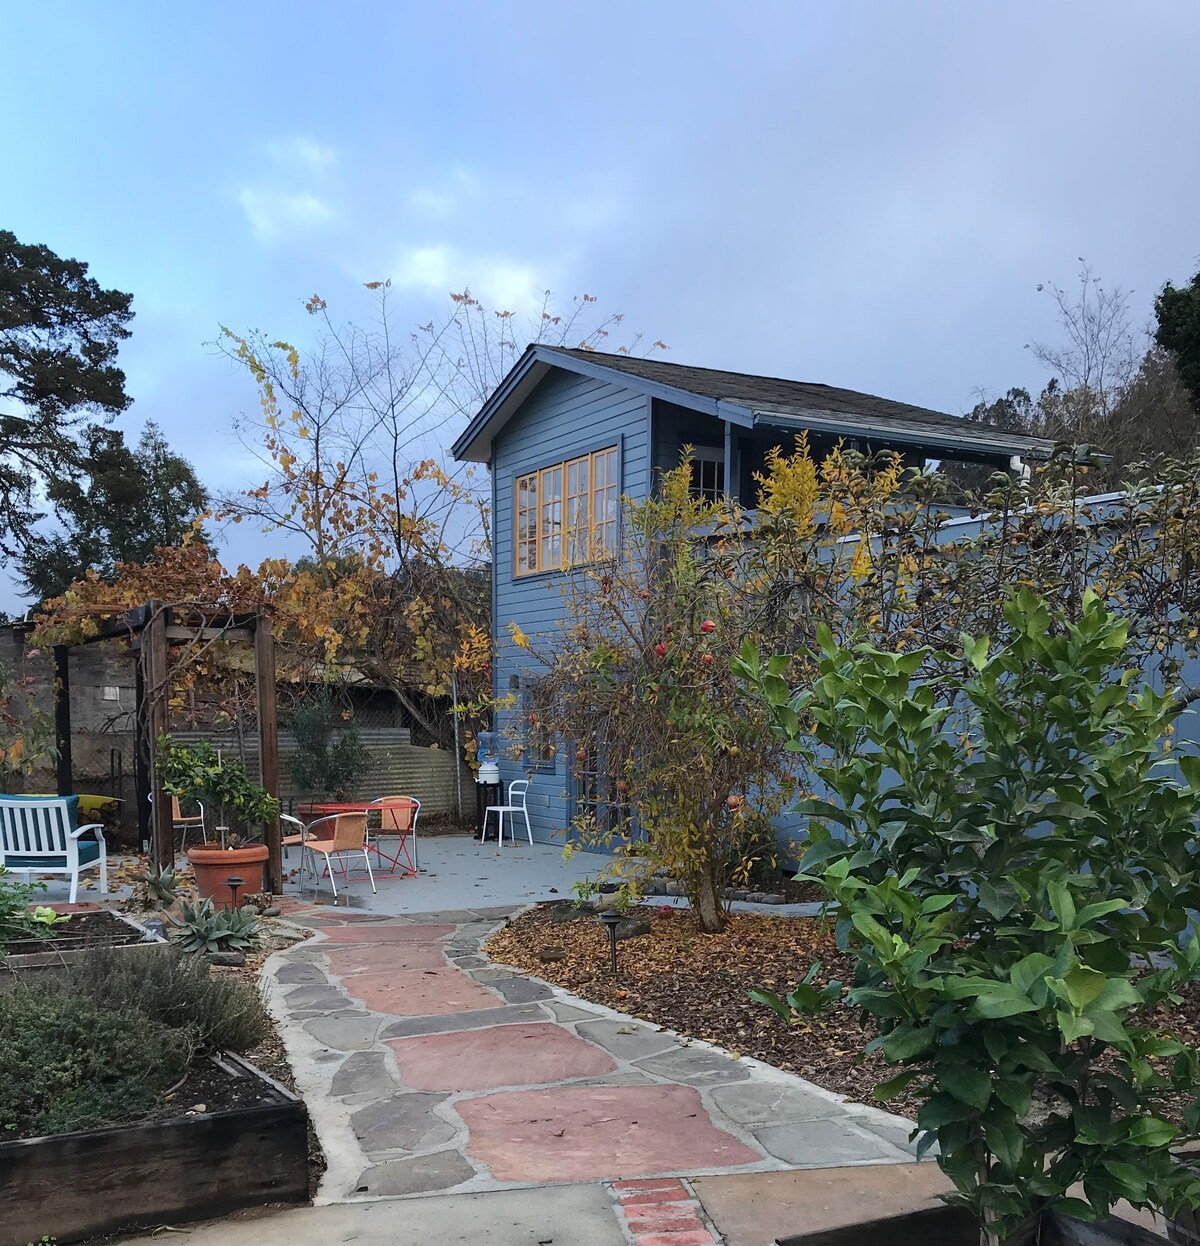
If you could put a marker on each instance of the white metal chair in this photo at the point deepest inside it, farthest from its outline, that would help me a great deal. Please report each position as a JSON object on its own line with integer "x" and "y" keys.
{"x": 347, "y": 837}
{"x": 36, "y": 837}
{"x": 398, "y": 816}
{"x": 517, "y": 791}
{"x": 294, "y": 838}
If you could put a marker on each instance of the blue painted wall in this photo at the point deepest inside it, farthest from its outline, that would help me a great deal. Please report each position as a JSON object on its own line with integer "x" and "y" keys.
{"x": 566, "y": 415}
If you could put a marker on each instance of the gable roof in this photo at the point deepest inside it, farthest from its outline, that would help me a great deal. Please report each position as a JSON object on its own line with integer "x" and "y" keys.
{"x": 748, "y": 401}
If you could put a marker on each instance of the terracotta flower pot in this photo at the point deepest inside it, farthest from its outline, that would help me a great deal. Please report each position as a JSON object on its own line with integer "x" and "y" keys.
{"x": 212, "y": 866}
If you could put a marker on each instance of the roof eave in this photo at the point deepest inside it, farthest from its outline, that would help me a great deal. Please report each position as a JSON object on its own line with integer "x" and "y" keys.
{"x": 995, "y": 444}
{"x": 475, "y": 443}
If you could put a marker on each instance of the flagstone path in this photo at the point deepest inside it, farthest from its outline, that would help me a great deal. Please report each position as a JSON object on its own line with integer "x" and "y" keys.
{"x": 426, "y": 1068}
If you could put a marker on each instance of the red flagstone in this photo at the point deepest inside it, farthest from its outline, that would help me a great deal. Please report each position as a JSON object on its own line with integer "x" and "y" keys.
{"x": 419, "y": 992}
{"x": 596, "y": 1133}
{"x": 350, "y": 960}
{"x": 384, "y": 934}
{"x": 499, "y": 1055}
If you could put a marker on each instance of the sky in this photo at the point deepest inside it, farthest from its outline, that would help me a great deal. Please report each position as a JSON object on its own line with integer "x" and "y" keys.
{"x": 866, "y": 194}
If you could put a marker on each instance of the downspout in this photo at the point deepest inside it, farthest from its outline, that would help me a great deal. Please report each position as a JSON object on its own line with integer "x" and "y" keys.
{"x": 728, "y": 459}
{"x": 1018, "y": 465}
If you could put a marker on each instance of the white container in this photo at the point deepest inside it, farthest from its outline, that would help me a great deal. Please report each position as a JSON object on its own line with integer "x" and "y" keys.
{"x": 489, "y": 772}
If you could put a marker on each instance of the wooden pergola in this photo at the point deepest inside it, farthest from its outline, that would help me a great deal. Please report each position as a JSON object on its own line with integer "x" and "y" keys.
{"x": 151, "y": 630}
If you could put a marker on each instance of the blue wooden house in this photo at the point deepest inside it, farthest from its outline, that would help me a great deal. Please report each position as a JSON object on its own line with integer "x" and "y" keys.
{"x": 569, "y": 432}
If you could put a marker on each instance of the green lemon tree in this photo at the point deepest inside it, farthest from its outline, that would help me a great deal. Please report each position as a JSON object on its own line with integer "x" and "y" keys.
{"x": 1010, "y": 852}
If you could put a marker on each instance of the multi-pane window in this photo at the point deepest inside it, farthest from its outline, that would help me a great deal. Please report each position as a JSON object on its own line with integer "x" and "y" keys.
{"x": 526, "y": 524}
{"x": 550, "y": 522}
{"x": 567, "y": 514}
{"x": 708, "y": 474}
{"x": 605, "y": 503}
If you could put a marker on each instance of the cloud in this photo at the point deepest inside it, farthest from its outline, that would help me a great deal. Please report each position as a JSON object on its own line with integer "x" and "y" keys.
{"x": 441, "y": 267}
{"x": 306, "y": 152}
{"x": 275, "y": 213}
{"x": 455, "y": 192}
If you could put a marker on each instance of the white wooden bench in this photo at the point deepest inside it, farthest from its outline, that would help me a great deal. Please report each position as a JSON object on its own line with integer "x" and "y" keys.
{"x": 38, "y": 835}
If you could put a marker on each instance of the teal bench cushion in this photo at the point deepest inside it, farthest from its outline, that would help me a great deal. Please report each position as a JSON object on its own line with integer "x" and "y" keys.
{"x": 89, "y": 852}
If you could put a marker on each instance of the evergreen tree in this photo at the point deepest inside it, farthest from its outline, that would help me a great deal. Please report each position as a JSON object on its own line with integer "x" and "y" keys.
{"x": 59, "y": 336}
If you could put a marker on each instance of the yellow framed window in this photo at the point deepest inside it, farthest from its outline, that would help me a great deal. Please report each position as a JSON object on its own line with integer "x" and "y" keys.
{"x": 526, "y": 524}
{"x": 550, "y": 522}
{"x": 605, "y": 503}
{"x": 567, "y": 513}
{"x": 578, "y": 509}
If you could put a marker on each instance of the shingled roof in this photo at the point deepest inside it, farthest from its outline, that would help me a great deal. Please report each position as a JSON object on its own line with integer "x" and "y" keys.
{"x": 748, "y": 400}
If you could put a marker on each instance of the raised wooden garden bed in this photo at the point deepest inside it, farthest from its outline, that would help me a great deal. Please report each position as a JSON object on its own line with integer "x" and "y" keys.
{"x": 68, "y": 942}
{"x": 195, "y": 1165}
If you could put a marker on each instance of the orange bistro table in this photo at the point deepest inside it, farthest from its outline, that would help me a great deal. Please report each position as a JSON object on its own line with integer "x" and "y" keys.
{"x": 402, "y": 863}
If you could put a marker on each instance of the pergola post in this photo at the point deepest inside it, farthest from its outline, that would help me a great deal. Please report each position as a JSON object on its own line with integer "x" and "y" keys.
{"x": 268, "y": 740}
{"x": 62, "y": 718}
{"x": 154, "y": 654}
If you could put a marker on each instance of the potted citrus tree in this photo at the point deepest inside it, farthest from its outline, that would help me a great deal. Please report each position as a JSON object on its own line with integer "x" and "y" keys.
{"x": 199, "y": 772}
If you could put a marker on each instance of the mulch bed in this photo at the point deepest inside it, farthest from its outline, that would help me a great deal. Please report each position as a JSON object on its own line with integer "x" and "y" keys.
{"x": 697, "y": 984}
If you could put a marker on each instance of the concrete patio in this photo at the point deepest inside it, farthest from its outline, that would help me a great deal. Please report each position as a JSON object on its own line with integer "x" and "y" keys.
{"x": 456, "y": 872}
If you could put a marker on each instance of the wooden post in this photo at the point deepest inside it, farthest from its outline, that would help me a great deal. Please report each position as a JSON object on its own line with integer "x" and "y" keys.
{"x": 62, "y": 718}
{"x": 154, "y": 650}
{"x": 142, "y": 765}
{"x": 268, "y": 740}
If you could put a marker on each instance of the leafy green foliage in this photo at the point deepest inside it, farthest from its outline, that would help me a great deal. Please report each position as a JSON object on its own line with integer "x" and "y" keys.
{"x": 197, "y": 771}
{"x": 122, "y": 505}
{"x": 1012, "y": 857}
{"x": 59, "y": 337}
{"x": 208, "y": 929}
{"x": 16, "y": 919}
{"x": 804, "y": 999}
{"x": 70, "y": 1063}
{"x": 329, "y": 754}
{"x": 1178, "y": 313}
{"x": 214, "y": 1012}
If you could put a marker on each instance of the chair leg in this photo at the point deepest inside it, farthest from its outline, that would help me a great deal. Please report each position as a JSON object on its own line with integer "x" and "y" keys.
{"x": 367, "y": 859}
{"x": 329, "y": 871}
{"x": 104, "y": 869}
{"x": 74, "y": 885}
{"x": 528, "y": 828}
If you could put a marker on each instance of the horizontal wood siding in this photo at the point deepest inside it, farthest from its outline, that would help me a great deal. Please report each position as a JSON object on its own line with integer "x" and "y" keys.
{"x": 565, "y": 416}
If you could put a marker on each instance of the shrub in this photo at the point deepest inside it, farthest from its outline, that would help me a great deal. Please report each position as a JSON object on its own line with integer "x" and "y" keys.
{"x": 1014, "y": 867}
{"x": 330, "y": 754}
{"x": 173, "y": 989}
{"x": 70, "y": 1063}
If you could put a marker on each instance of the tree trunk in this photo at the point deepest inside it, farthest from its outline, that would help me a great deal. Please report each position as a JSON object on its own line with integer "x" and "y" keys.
{"x": 709, "y": 904}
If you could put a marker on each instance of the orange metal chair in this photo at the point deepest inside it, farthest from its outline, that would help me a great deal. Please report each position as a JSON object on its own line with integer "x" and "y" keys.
{"x": 339, "y": 835}
{"x": 398, "y": 816}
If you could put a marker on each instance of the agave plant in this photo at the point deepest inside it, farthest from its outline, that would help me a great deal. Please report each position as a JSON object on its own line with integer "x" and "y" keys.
{"x": 162, "y": 885}
{"x": 207, "y": 929}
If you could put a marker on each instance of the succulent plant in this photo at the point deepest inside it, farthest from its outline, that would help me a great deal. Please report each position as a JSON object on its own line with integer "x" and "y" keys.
{"x": 206, "y": 929}
{"x": 162, "y": 885}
